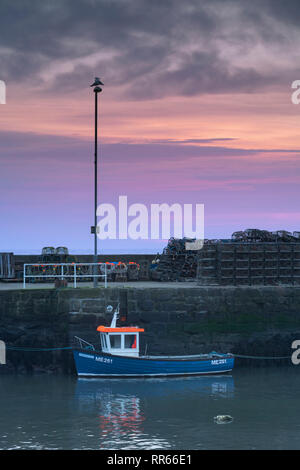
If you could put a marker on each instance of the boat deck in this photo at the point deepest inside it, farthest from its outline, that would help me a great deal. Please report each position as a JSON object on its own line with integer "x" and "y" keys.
{"x": 187, "y": 357}
{"x": 191, "y": 357}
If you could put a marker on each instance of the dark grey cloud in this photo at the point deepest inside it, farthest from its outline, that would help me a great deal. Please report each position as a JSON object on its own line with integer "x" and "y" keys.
{"x": 36, "y": 147}
{"x": 154, "y": 48}
{"x": 202, "y": 73}
{"x": 193, "y": 141}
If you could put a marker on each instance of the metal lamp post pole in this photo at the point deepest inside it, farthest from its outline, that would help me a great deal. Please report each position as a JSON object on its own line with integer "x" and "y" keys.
{"x": 95, "y": 188}
{"x": 97, "y": 89}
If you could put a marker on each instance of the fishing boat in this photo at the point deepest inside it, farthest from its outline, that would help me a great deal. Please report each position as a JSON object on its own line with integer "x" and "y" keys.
{"x": 119, "y": 357}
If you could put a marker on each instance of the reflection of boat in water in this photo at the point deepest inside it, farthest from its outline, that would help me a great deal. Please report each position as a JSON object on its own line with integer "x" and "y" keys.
{"x": 128, "y": 411}
{"x": 95, "y": 390}
{"x": 120, "y": 357}
{"x": 123, "y": 415}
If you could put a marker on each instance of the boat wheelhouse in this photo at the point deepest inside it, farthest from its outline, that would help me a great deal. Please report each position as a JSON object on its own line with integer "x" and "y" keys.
{"x": 123, "y": 341}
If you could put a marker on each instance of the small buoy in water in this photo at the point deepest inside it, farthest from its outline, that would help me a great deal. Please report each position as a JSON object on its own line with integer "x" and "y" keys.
{"x": 223, "y": 419}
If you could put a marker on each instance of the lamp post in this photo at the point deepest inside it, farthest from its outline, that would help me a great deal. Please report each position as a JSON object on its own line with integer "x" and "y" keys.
{"x": 97, "y": 89}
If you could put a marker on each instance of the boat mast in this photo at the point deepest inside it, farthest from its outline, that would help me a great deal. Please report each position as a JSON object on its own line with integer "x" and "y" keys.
{"x": 115, "y": 317}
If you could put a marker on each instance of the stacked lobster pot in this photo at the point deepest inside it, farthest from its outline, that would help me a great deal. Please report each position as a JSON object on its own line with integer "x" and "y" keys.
{"x": 7, "y": 266}
{"x": 254, "y": 235}
{"x": 108, "y": 269}
{"x": 120, "y": 272}
{"x": 176, "y": 263}
{"x": 133, "y": 271}
{"x": 251, "y": 257}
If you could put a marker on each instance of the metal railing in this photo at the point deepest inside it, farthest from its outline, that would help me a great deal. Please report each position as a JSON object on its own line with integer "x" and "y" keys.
{"x": 84, "y": 344}
{"x": 53, "y": 271}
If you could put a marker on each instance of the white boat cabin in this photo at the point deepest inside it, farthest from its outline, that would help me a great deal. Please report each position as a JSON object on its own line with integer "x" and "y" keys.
{"x": 120, "y": 341}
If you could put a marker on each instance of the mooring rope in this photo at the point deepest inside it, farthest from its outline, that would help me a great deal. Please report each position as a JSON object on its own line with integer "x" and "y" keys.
{"x": 241, "y": 356}
{"x": 261, "y": 357}
{"x": 16, "y": 348}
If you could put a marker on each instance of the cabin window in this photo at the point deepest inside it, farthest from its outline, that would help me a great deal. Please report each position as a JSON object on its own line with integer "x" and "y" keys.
{"x": 115, "y": 341}
{"x": 103, "y": 341}
{"x": 130, "y": 341}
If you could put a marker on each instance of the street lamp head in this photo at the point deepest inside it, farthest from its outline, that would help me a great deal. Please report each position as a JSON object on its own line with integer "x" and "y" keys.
{"x": 97, "y": 82}
{"x": 97, "y": 89}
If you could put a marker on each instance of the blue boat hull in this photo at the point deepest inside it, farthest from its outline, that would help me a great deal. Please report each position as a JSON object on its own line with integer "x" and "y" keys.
{"x": 97, "y": 364}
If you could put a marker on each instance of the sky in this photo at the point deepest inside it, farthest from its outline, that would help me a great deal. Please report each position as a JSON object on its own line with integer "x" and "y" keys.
{"x": 196, "y": 108}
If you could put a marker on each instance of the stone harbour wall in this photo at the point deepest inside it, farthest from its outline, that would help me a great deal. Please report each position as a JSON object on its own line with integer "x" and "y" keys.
{"x": 256, "y": 321}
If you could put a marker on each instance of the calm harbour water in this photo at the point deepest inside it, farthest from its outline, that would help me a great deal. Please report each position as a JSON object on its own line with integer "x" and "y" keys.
{"x": 51, "y": 412}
